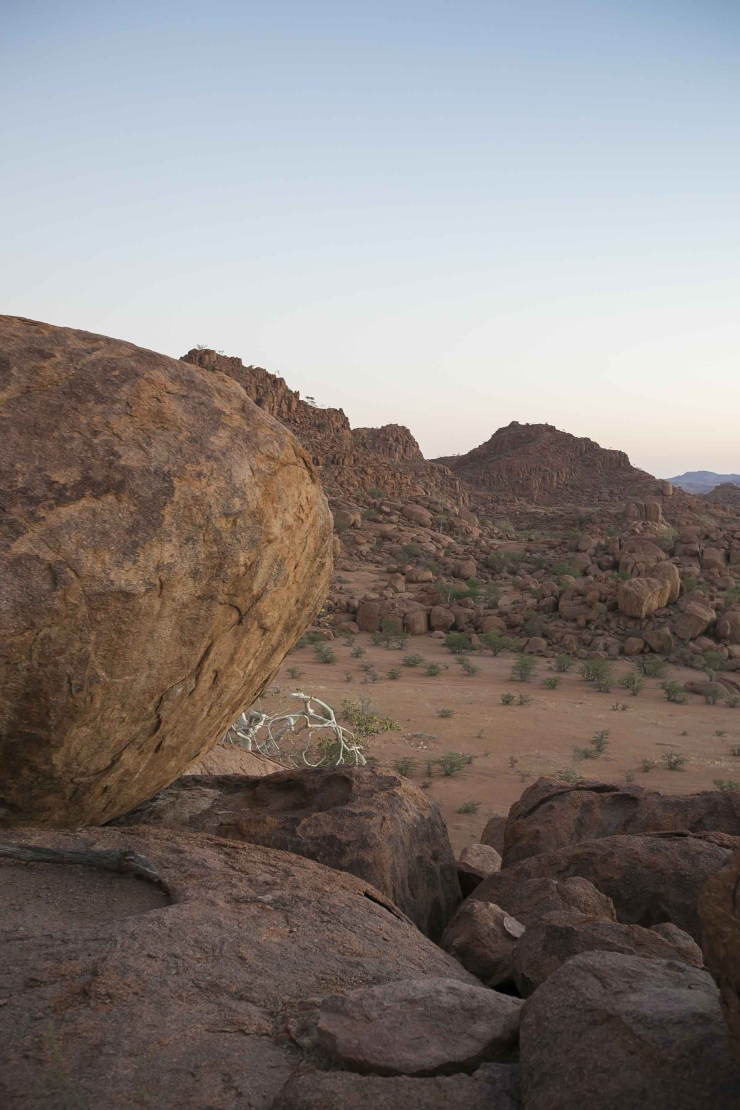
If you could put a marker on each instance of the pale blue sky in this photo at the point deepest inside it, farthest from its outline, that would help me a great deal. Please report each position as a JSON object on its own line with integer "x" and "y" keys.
{"x": 449, "y": 215}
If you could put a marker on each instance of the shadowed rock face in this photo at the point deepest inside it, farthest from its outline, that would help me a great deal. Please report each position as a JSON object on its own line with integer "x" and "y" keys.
{"x": 719, "y": 906}
{"x": 164, "y": 543}
{"x": 373, "y": 824}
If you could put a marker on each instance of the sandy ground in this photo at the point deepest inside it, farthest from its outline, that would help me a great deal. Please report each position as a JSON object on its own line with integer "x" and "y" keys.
{"x": 514, "y": 745}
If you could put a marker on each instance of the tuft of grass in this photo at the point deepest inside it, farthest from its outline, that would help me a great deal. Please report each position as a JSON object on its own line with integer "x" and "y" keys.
{"x": 357, "y": 652}
{"x": 445, "y": 713}
{"x": 469, "y": 807}
{"x": 295, "y": 672}
{"x": 723, "y": 784}
{"x": 648, "y": 764}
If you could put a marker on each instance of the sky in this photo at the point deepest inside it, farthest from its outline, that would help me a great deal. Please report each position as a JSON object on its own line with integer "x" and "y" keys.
{"x": 449, "y": 215}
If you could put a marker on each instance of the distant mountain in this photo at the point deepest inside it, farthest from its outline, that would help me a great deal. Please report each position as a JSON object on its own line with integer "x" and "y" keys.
{"x": 702, "y": 481}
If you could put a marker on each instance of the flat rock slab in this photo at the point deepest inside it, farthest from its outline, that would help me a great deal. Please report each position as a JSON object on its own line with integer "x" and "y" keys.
{"x": 201, "y": 992}
{"x": 419, "y": 1027}
{"x": 491, "y": 1087}
{"x": 614, "y": 1032}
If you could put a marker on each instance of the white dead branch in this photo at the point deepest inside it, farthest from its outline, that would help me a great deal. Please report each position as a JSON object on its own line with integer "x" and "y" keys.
{"x": 314, "y": 735}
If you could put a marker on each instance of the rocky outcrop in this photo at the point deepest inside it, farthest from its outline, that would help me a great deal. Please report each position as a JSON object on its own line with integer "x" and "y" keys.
{"x": 165, "y": 543}
{"x": 482, "y": 938}
{"x": 204, "y": 991}
{"x": 551, "y": 815}
{"x": 617, "y": 1031}
{"x": 475, "y": 864}
{"x": 651, "y": 878}
{"x": 719, "y": 905}
{"x": 373, "y": 824}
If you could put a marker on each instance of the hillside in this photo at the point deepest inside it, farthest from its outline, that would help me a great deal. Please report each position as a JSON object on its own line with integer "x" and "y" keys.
{"x": 703, "y": 481}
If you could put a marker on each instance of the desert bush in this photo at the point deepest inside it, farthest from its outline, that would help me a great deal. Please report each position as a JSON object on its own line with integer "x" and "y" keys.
{"x": 712, "y": 694}
{"x": 524, "y": 699}
{"x": 415, "y": 660}
{"x": 349, "y": 639}
{"x": 469, "y": 807}
{"x": 295, "y": 672}
{"x": 496, "y": 641}
{"x": 674, "y": 761}
{"x": 564, "y": 662}
{"x": 433, "y": 669}
{"x": 445, "y": 713}
{"x": 404, "y": 766}
{"x": 600, "y": 740}
{"x": 364, "y": 720}
{"x": 673, "y": 692}
{"x": 408, "y": 552}
{"x": 633, "y": 683}
{"x": 569, "y": 775}
{"x": 324, "y": 653}
{"x": 376, "y": 492}
{"x": 714, "y": 661}
{"x": 393, "y": 673}
{"x": 524, "y": 667}
{"x": 651, "y": 665}
{"x": 348, "y": 676}
{"x": 459, "y": 643}
{"x": 451, "y": 763}
{"x": 735, "y": 750}
{"x": 469, "y": 667}
{"x": 552, "y": 682}
{"x": 647, "y": 764}
{"x": 722, "y": 784}
{"x": 357, "y": 652}
{"x": 732, "y": 701}
{"x": 508, "y": 699}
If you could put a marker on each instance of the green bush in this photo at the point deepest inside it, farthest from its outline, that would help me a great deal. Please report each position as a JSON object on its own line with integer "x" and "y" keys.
{"x": 469, "y": 667}
{"x": 433, "y": 669}
{"x": 363, "y": 721}
{"x": 647, "y": 764}
{"x": 674, "y": 761}
{"x": 459, "y": 643}
{"x": 404, "y": 766}
{"x": 324, "y": 653}
{"x": 508, "y": 699}
{"x": 469, "y": 807}
{"x": 295, "y": 672}
{"x": 445, "y": 713}
{"x": 524, "y": 667}
{"x": 496, "y": 641}
{"x": 413, "y": 660}
{"x": 451, "y": 763}
{"x": 357, "y": 652}
{"x": 564, "y": 662}
{"x": 712, "y": 694}
{"x": 721, "y": 784}
{"x": 552, "y": 682}
{"x": 633, "y": 683}
{"x": 732, "y": 701}
{"x": 393, "y": 673}
{"x": 525, "y": 699}
{"x": 569, "y": 775}
{"x": 651, "y": 665}
{"x": 673, "y": 692}
{"x": 376, "y": 492}
{"x": 714, "y": 661}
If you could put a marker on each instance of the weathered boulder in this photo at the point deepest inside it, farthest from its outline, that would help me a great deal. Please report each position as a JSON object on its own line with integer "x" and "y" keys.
{"x": 668, "y": 574}
{"x": 494, "y": 832}
{"x": 696, "y": 616}
{"x": 415, "y": 622}
{"x": 728, "y": 626}
{"x": 618, "y": 1032}
{"x": 490, "y": 1087}
{"x": 639, "y": 555}
{"x": 660, "y": 640}
{"x": 368, "y": 615}
{"x": 417, "y": 515}
{"x": 532, "y": 899}
{"x": 719, "y": 906}
{"x": 481, "y": 937}
{"x": 165, "y": 543}
{"x": 372, "y": 823}
{"x": 639, "y": 597}
{"x": 551, "y": 815}
{"x": 558, "y": 937}
{"x": 650, "y": 878}
{"x": 210, "y": 991}
{"x": 634, "y": 645}
{"x": 418, "y": 1027}
{"x": 441, "y": 619}
{"x": 476, "y": 863}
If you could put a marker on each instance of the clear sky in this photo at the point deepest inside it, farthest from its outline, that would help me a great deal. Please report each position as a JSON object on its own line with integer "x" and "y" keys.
{"x": 449, "y": 214}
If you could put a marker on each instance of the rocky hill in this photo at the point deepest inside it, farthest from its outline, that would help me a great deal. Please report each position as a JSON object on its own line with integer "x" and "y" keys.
{"x": 726, "y": 494}
{"x": 351, "y": 461}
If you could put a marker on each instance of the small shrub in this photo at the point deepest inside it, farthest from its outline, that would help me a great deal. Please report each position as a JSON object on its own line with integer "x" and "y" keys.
{"x": 469, "y": 667}
{"x": 620, "y": 705}
{"x": 714, "y": 661}
{"x": 652, "y": 666}
{"x": 451, "y": 763}
{"x": 564, "y": 662}
{"x": 348, "y": 676}
{"x": 524, "y": 699}
{"x": 378, "y": 638}
{"x": 648, "y": 764}
{"x": 469, "y": 807}
{"x": 324, "y": 653}
{"x": 363, "y": 721}
{"x": 720, "y": 732}
{"x": 404, "y": 766}
{"x": 413, "y": 660}
{"x": 357, "y": 652}
{"x": 596, "y": 670}
{"x": 349, "y": 639}
{"x": 513, "y": 761}
{"x": 674, "y": 761}
{"x": 496, "y": 642}
{"x": 524, "y": 667}
{"x": 393, "y": 673}
{"x": 633, "y": 683}
{"x": 712, "y": 694}
{"x": 458, "y": 642}
{"x": 735, "y": 750}
{"x": 721, "y": 784}
{"x": 376, "y": 492}
{"x": 732, "y": 701}
{"x": 673, "y": 692}
{"x": 552, "y": 682}
{"x": 508, "y": 699}
{"x": 569, "y": 775}
{"x": 426, "y": 784}
{"x": 445, "y": 713}
{"x": 295, "y": 672}
{"x": 433, "y": 669}
{"x": 600, "y": 740}
{"x": 314, "y": 638}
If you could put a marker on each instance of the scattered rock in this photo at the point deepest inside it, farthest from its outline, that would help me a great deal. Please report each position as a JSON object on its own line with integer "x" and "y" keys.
{"x": 551, "y": 815}
{"x": 420, "y": 1027}
{"x": 639, "y": 597}
{"x": 614, "y": 1031}
{"x": 372, "y": 823}
{"x": 150, "y": 577}
{"x": 532, "y": 899}
{"x": 557, "y": 937}
{"x": 650, "y": 878}
{"x": 481, "y": 937}
{"x": 475, "y": 864}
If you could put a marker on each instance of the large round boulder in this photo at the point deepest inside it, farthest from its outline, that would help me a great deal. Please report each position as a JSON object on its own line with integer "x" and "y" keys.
{"x": 165, "y": 543}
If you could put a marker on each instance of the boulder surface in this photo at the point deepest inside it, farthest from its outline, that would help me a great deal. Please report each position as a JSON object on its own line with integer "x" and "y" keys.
{"x": 165, "y": 543}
